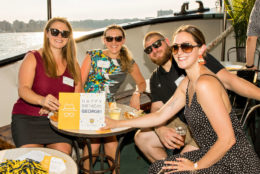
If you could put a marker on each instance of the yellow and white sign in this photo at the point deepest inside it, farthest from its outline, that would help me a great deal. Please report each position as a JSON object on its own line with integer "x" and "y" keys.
{"x": 84, "y": 111}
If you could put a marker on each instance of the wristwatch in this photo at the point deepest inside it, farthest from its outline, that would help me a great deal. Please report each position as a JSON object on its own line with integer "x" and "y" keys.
{"x": 137, "y": 92}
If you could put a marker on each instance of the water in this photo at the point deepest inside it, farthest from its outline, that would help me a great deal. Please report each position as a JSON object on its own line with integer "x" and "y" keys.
{"x": 12, "y": 44}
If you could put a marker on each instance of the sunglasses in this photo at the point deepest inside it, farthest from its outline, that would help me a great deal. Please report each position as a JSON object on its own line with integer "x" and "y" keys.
{"x": 156, "y": 44}
{"x": 56, "y": 32}
{"x": 117, "y": 38}
{"x": 185, "y": 47}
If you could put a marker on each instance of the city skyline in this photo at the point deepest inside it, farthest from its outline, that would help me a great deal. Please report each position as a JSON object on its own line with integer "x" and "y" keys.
{"x": 97, "y": 10}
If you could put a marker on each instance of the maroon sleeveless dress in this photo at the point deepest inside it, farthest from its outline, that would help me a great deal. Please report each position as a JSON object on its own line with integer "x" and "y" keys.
{"x": 28, "y": 126}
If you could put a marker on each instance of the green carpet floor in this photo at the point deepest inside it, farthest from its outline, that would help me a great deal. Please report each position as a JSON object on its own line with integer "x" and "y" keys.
{"x": 132, "y": 161}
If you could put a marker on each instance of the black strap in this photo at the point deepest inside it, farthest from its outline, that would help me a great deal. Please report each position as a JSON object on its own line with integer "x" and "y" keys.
{"x": 215, "y": 77}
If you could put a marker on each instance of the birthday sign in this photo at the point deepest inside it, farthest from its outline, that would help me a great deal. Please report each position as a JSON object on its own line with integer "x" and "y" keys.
{"x": 84, "y": 111}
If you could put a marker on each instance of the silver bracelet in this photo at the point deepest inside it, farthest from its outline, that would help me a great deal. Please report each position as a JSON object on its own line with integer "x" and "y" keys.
{"x": 195, "y": 165}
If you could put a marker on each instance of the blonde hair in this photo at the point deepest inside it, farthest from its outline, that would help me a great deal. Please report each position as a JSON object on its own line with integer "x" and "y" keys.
{"x": 68, "y": 52}
{"x": 125, "y": 55}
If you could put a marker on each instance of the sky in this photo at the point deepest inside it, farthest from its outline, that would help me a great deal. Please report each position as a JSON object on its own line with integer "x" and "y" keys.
{"x": 24, "y": 10}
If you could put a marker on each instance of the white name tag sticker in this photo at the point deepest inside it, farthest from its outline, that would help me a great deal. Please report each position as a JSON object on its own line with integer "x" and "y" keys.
{"x": 68, "y": 81}
{"x": 115, "y": 62}
{"x": 106, "y": 76}
{"x": 178, "y": 81}
{"x": 103, "y": 64}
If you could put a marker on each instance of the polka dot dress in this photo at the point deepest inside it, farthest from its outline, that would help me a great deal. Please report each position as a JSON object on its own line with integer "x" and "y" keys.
{"x": 240, "y": 159}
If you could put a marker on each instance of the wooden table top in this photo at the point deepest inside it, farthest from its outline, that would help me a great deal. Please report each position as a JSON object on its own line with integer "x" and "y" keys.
{"x": 233, "y": 66}
{"x": 97, "y": 133}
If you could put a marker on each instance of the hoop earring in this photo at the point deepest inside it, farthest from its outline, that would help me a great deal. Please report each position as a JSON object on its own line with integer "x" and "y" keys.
{"x": 201, "y": 60}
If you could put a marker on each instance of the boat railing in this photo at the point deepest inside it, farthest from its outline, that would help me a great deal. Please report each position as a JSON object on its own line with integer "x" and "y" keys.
{"x": 219, "y": 38}
{"x": 11, "y": 59}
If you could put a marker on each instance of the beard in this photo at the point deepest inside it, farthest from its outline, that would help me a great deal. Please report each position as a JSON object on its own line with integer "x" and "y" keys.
{"x": 166, "y": 56}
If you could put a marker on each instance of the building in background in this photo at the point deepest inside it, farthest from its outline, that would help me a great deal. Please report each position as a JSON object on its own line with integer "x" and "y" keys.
{"x": 164, "y": 12}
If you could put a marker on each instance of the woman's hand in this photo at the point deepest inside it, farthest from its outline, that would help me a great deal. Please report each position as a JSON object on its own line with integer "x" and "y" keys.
{"x": 135, "y": 101}
{"x": 110, "y": 123}
{"x": 181, "y": 164}
{"x": 44, "y": 111}
{"x": 50, "y": 102}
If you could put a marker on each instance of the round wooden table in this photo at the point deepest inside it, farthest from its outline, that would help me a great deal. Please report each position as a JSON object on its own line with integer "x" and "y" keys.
{"x": 88, "y": 134}
{"x": 13, "y": 154}
{"x": 233, "y": 66}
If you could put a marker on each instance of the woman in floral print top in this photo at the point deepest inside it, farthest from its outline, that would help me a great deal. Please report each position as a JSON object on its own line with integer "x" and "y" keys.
{"x": 106, "y": 74}
{"x": 106, "y": 70}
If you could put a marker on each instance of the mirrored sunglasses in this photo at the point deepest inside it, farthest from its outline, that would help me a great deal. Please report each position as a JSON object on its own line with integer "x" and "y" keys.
{"x": 185, "y": 47}
{"x": 117, "y": 38}
{"x": 56, "y": 32}
{"x": 156, "y": 44}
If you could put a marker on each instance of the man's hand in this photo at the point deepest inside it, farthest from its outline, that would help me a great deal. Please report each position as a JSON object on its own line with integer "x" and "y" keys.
{"x": 169, "y": 138}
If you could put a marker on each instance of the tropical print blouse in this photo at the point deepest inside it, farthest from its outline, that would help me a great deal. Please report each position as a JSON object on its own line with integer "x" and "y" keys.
{"x": 105, "y": 74}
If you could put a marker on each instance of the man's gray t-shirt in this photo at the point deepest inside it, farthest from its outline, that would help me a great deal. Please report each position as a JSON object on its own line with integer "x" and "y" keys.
{"x": 253, "y": 28}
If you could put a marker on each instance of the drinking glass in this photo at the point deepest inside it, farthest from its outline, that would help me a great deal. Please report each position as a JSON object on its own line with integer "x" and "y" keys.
{"x": 181, "y": 130}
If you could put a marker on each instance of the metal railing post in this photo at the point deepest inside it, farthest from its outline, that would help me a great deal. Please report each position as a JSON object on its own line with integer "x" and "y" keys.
{"x": 49, "y": 15}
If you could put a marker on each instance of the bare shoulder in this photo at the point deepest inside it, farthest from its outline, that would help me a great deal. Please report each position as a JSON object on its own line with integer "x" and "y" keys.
{"x": 88, "y": 56}
{"x": 29, "y": 59}
{"x": 207, "y": 83}
{"x": 86, "y": 60}
{"x": 135, "y": 66}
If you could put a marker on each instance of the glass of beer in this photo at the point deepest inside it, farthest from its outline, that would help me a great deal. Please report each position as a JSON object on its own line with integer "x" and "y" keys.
{"x": 181, "y": 131}
{"x": 114, "y": 113}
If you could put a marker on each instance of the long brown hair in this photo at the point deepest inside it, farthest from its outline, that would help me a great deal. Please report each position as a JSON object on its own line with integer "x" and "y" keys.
{"x": 125, "y": 55}
{"x": 68, "y": 52}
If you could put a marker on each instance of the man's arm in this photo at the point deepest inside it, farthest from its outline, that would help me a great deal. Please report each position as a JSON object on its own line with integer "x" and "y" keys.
{"x": 232, "y": 81}
{"x": 250, "y": 50}
{"x": 253, "y": 31}
{"x": 239, "y": 85}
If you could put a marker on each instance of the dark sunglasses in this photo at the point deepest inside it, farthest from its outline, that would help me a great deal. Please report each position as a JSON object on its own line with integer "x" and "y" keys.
{"x": 185, "y": 47}
{"x": 156, "y": 44}
{"x": 117, "y": 38}
{"x": 56, "y": 32}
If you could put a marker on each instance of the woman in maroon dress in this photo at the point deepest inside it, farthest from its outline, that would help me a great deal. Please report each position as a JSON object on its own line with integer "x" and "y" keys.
{"x": 42, "y": 75}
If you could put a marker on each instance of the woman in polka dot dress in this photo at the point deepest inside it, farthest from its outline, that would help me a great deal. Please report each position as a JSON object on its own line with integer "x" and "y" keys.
{"x": 223, "y": 146}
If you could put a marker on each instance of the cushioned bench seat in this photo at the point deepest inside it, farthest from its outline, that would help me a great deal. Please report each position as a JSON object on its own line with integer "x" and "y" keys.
{"x": 6, "y": 141}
